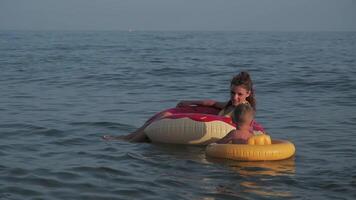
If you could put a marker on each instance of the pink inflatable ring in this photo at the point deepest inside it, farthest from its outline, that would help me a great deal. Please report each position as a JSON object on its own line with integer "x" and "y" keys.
{"x": 191, "y": 125}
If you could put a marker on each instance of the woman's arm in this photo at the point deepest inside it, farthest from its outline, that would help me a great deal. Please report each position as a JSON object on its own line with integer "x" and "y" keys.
{"x": 208, "y": 102}
{"x": 220, "y": 105}
{"x": 196, "y": 103}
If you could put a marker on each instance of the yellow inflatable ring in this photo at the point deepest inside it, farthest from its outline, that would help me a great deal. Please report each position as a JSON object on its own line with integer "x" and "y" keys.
{"x": 278, "y": 150}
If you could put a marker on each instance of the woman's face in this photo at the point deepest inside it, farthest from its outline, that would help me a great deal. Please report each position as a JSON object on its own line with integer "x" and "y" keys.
{"x": 238, "y": 94}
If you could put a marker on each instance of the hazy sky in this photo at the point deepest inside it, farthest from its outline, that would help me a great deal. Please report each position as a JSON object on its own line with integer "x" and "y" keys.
{"x": 244, "y": 15}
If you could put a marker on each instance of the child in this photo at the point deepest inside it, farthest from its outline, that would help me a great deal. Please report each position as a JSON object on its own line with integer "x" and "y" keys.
{"x": 243, "y": 117}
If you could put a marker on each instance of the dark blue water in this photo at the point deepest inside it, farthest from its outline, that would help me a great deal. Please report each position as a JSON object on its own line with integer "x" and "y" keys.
{"x": 61, "y": 91}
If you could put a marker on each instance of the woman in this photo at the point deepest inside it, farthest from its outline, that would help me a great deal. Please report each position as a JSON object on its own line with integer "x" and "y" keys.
{"x": 241, "y": 91}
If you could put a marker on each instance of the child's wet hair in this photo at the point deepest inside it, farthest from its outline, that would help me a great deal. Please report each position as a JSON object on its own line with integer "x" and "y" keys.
{"x": 241, "y": 111}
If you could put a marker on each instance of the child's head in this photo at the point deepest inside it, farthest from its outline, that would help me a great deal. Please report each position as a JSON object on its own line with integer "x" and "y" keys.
{"x": 243, "y": 115}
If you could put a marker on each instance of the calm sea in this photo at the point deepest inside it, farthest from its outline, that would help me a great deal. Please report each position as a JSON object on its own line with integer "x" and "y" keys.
{"x": 61, "y": 91}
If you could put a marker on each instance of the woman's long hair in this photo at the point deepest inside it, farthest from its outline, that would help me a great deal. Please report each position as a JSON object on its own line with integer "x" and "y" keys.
{"x": 243, "y": 79}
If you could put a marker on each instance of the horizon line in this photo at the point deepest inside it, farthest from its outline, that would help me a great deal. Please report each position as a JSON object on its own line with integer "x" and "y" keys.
{"x": 169, "y": 30}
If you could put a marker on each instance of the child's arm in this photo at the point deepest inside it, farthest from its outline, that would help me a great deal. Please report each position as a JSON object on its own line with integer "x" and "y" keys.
{"x": 227, "y": 138}
{"x": 242, "y": 137}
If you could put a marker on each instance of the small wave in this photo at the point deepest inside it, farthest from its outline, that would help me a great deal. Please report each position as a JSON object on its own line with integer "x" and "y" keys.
{"x": 167, "y": 71}
{"x": 99, "y": 171}
{"x": 20, "y": 125}
{"x": 112, "y": 125}
{"x": 50, "y": 132}
{"x": 135, "y": 192}
{"x": 15, "y": 192}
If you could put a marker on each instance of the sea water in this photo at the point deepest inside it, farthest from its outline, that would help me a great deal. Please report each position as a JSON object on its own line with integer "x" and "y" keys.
{"x": 61, "y": 91}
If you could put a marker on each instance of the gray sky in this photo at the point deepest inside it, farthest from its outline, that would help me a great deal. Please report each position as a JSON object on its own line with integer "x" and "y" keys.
{"x": 240, "y": 15}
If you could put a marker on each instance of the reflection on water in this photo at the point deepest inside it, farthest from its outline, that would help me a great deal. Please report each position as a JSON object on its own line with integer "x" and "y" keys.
{"x": 244, "y": 178}
{"x": 270, "y": 168}
{"x": 256, "y": 177}
{"x": 264, "y": 190}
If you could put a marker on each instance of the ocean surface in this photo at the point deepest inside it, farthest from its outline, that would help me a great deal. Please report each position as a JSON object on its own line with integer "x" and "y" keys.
{"x": 61, "y": 91}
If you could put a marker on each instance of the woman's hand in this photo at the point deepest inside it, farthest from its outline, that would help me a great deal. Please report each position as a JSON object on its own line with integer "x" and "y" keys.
{"x": 208, "y": 102}
{"x": 196, "y": 103}
{"x": 184, "y": 104}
